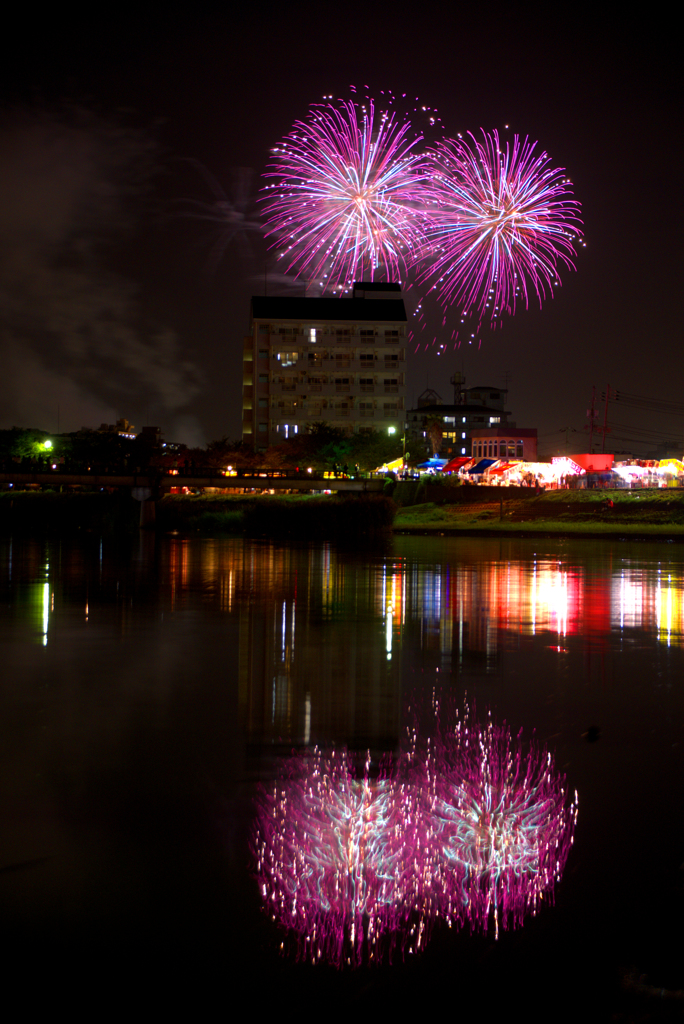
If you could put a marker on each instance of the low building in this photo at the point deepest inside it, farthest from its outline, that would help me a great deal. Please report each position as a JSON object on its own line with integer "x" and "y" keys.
{"x": 450, "y": 427}
{"x": 506, "y": 442}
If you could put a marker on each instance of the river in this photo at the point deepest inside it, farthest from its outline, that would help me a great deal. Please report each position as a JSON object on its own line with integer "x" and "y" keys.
{"x": 150, "y": 687}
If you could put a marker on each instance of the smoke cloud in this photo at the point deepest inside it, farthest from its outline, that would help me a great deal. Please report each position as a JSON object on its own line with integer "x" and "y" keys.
{"x": 74, "y": 332}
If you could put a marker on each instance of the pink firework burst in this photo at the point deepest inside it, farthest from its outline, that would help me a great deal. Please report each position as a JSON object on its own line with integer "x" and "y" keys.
{"x": 340, "y": 862}
{"x": 501, "y": 827}
{"x": 502, "y": 222}
{"x": 345, "y": 202}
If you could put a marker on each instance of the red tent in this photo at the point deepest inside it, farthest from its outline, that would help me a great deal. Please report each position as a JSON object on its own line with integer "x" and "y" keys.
{"x": 593, "y": 463}
{"x": 455, "y": 464}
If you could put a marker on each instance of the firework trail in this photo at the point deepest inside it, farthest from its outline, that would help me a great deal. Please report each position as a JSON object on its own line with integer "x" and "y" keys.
{"x": 346, "y": 200}
{"x": 340, "y": 861}
{"x": 230, "y": 216}
{"x": 462, "y": 827}
{"x": 501, "y": 223}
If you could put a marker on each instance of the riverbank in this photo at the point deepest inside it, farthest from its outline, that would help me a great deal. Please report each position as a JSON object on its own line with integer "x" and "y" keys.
{"x": 651, "y": 514}
{"x": 294, "y": 517}
{"x": 647, "y": 514}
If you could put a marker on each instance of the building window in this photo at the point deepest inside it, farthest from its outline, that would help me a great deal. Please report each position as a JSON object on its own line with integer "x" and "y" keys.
{"x": 263, "y": 378}
{"x": 288, "y": 358}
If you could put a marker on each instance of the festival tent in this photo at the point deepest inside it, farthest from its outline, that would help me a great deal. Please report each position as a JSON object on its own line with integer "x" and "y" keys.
{"x": 433, "y": 463}
{"x": 481, "y": 466}
{"x": 593, "y": 462}
{"x": 503, "y": 467}
{"x": 391, "y": 467}
{"x": 455, "y": 464}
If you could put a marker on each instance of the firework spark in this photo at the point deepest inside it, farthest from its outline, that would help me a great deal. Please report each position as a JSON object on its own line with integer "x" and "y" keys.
{"x": 339, "y": 860}
{"x": 502, "y": 221}
{"x": 346, "y": 200}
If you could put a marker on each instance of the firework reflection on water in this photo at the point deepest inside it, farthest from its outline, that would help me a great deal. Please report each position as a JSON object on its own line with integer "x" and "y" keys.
{"x": 341, "y": 861}
{"x": 501, "y": 830}
{"x": 464, "y": 826}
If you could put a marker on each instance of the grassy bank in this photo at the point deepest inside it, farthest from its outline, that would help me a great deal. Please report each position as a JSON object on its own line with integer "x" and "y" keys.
{"x": 647, "y": 513}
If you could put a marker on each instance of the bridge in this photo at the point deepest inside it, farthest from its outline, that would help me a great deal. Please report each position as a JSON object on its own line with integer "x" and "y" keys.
{"x": 158, "y": 483}
{"x": 148, "y": 487}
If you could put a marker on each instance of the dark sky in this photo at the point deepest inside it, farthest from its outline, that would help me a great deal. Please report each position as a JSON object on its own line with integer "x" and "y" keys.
{"x": 125, "y": 293}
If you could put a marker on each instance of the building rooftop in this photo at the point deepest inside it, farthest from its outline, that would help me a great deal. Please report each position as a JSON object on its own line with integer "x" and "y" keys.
{"x": 319, "y": 310}
{"x": 426, "y": 410}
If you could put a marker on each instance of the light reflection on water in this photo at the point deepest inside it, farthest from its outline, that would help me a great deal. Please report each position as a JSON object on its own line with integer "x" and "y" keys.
{"x": 147, "y": 688}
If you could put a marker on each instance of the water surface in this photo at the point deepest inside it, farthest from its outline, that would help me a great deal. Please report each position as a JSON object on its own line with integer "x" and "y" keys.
{"x": 148, "y": 687}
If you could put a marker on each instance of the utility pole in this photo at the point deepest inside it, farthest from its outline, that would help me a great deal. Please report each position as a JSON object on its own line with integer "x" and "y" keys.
{"x": 606, "y": 396}
{"x": 592, "y": 414}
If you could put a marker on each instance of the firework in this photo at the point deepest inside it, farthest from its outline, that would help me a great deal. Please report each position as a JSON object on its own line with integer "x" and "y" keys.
{"x": 339, "y": 861}
{"x": 502, "y": 221}
{"x": 345, "y": 203}
{"x": 501, "y": 828}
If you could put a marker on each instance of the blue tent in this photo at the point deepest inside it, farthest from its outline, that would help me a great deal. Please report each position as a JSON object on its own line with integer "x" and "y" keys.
{"x": 481, "y": 466}
{"x": 433, "y": 463}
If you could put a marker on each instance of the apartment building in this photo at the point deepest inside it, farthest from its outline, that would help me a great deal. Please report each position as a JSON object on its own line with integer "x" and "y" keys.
{"x": 340, "y": 361}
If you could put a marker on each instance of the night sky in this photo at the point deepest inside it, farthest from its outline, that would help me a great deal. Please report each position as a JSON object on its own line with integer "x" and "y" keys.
{"x": 125, "y": 139}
